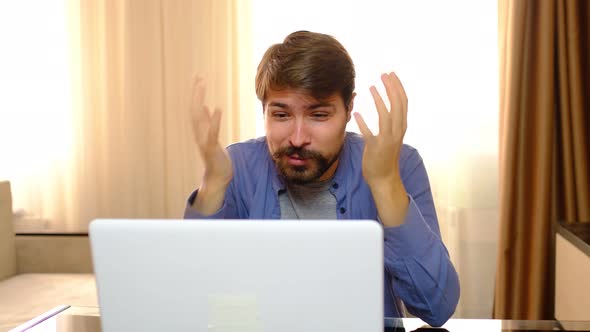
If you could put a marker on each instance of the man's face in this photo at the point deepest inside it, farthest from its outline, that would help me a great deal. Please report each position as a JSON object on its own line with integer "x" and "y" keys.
{"x": 305, "y": 135}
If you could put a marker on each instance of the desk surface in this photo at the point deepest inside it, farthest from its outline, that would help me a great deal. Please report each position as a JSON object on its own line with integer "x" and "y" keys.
{"x": 87, "y": 319}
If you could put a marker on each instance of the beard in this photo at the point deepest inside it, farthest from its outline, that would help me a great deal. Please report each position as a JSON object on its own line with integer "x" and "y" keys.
{"x": 316, "y": 164}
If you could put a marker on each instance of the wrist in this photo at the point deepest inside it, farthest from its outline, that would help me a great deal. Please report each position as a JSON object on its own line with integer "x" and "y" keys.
{"x": 392, "y": 201}
{"x": 390, "y": 184}
{"x": 210, "y": 196}
{"x": 390, "y": 190}
{"x": 215, "y": 182}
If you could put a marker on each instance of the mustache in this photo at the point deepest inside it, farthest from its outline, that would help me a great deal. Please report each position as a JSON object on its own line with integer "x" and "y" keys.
{"x": 299, "y": 151}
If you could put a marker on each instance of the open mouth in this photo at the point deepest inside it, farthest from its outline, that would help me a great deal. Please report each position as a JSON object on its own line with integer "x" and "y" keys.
{"x": 296, "y": 160}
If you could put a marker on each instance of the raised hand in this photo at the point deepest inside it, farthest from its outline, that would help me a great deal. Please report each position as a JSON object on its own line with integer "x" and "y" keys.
{"x": 218, "y": 166}
{"x": 381, "y": 155}
{"x": 382, "y": 151}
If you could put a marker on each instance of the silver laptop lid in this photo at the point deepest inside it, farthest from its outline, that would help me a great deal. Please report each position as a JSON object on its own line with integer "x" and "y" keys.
{"x": 239, "y": 275}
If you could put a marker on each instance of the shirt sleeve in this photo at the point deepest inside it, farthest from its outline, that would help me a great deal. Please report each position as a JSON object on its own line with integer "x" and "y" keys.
{"x": 422, "y": 273}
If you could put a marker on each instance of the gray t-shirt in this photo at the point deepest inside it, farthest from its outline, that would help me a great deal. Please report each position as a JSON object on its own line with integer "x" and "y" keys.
{"x": 311, "y": 201}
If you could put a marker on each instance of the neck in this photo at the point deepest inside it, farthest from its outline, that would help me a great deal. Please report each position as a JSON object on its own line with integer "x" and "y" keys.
{"x": 329, "y": 173}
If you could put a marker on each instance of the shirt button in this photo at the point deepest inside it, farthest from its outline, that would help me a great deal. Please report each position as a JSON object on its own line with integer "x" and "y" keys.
{"x": 342, "y": 210}
{"x": 335, "y": 186}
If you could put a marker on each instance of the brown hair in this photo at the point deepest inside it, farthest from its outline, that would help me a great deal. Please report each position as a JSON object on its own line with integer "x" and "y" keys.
{"x": 314, "y": 62}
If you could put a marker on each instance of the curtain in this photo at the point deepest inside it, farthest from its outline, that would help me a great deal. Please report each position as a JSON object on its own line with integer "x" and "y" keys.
{"x": 130, "y": 148}
{"x": 544, "y": 145}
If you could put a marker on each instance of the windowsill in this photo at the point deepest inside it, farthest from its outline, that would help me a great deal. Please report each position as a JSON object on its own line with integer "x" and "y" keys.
{"x": 577, "y": 233}
{"x": 35, "y": 226}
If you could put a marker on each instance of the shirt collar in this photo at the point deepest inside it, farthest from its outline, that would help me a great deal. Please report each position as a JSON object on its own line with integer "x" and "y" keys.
{"x": 344, "y": 164}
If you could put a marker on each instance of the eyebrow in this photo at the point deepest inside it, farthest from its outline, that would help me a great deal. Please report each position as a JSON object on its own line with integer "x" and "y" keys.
{"x": 277, "y": 104}
{"x": 319, "y": 105}
{"x": 311, "y": 107}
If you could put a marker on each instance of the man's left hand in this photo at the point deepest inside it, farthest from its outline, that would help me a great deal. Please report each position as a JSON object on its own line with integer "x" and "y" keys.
{"x": 382, "y": 151}
{"x": 381, "y": 155}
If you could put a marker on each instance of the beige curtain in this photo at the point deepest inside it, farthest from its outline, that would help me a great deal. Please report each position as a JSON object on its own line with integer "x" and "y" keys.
{"x": 132, "y": 153}
{"x": 544, "y": 145}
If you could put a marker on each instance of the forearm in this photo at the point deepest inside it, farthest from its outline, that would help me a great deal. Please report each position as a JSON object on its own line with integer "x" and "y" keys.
{"x": 210, "y": 198}
{"x": 391, "y": 201}
{"x": 428, "y": 286}
{"x": 422, "y": 273}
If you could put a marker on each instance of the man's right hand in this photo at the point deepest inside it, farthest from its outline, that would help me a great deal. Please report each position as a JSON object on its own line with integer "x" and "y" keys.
{"x": 218, "y": 166}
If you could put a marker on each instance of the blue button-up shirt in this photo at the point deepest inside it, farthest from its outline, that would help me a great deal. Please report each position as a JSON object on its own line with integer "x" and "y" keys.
{"x": 418, "y": 270}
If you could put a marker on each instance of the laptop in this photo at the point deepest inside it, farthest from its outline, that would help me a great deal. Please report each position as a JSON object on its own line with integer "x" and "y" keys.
{"x": 239, "y": 275}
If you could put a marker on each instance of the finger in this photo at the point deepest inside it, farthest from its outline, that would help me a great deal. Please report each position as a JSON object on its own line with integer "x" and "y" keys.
{"x": 362, "y": 125}
{"x": 395, "y": 102}
{"x": 390, "y": 90}
{"x": 202, "y": 117}
{"x": 384, "y": 121}
{"x": 201, "y": 125}
{"x": 403, "y": 101}
{"x": 398, "y": 82}
{"x": 198, "y": 99}
{"x": 215, "y": 127}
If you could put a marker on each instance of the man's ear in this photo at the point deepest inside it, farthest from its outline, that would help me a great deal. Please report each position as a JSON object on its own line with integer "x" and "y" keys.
{"x": 350, "y": 107}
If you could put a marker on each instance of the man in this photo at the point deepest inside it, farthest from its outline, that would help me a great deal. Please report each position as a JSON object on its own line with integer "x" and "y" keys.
{"x": 308, "y": 167}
